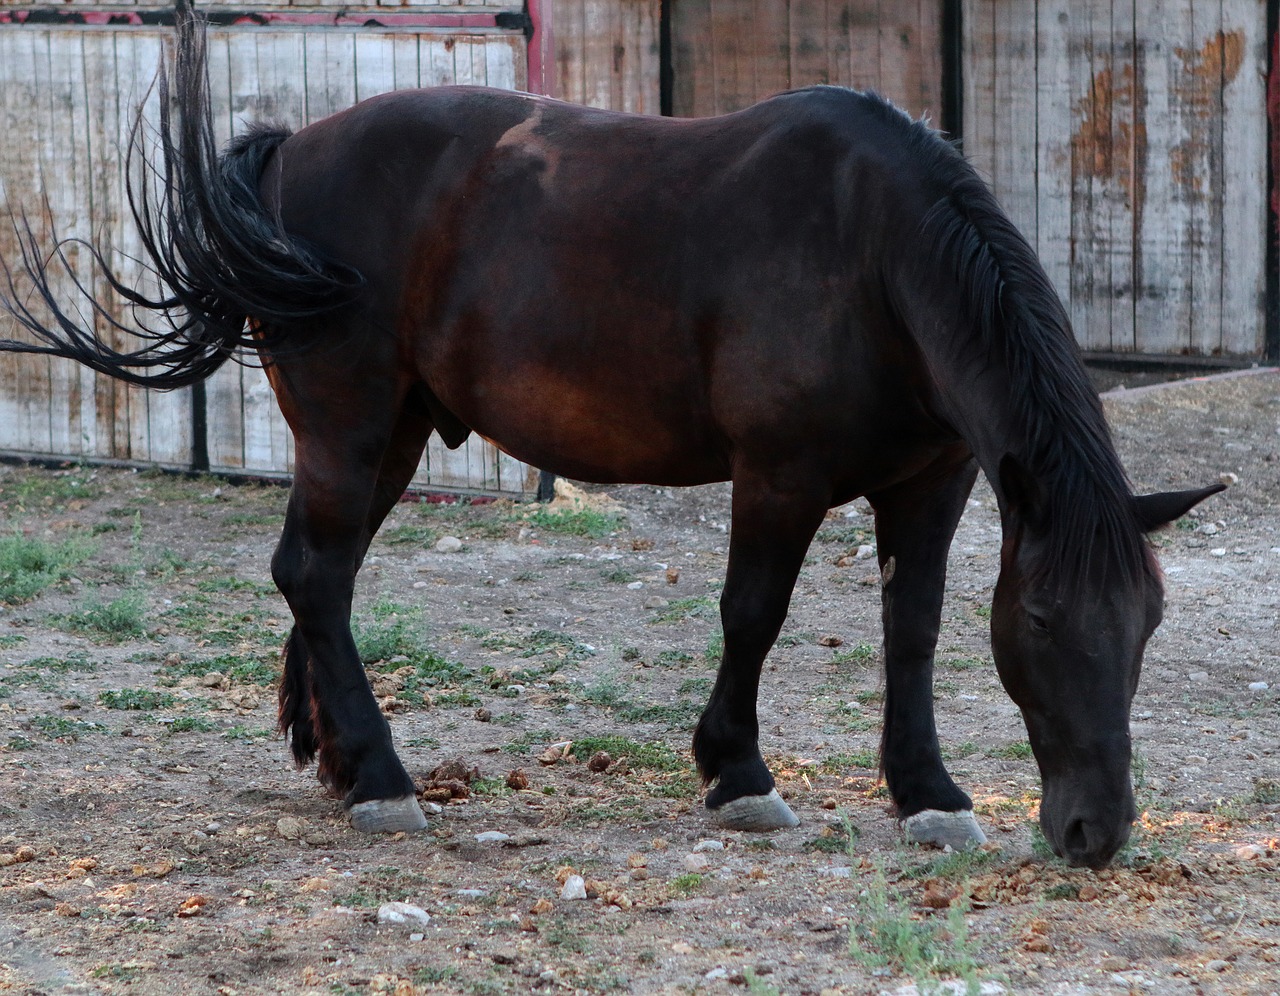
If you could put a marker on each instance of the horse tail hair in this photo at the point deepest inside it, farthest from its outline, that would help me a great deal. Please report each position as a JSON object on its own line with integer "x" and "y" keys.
{"x": 230, "y": 276}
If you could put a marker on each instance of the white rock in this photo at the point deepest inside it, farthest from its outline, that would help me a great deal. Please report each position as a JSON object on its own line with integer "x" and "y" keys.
{"x": 417, "y": 937}
{"x": 1229, "y": 479}
{"x": 864, "y": 551}
{"x": 448, "y": 544}
{"x": 697, "y": 862}
{"x": 636, "y": 585}
{"x": 1258, "y": 686}
{"x": 1209, "y": 529}
{"x": 575, "y": 887}
{"x": 492, "y": 837}
{"x": 433, "y": 808}
{"x": 708, "y": 845}
{"x": 471, "y": 893}
{"x": 717, "y": 973}
{"x": 1198, "y": 676}
{"x": 1218, "y": 551}
{"x": 402, "y": 913}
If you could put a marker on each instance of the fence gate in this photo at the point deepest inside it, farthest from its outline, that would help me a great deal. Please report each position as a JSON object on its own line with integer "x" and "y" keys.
{"x": 70, "y": 84}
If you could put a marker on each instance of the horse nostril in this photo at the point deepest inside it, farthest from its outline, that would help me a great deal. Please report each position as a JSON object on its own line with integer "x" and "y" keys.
{"x": 1075, "y": 841}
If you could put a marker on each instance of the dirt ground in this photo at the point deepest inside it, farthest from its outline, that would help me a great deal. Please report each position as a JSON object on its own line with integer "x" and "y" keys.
{"x": 154, "y": 837}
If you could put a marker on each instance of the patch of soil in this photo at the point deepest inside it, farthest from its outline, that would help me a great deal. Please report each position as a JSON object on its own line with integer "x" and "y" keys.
{"x": 154, "y": 837}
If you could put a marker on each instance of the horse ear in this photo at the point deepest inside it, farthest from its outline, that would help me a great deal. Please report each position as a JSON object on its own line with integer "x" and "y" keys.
{"x": 1163, "y": 507}
{"x": 1024, "y": 496}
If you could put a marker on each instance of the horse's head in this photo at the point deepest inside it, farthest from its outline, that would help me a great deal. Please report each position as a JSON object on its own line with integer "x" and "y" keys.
{"x": 1068, "y": 641}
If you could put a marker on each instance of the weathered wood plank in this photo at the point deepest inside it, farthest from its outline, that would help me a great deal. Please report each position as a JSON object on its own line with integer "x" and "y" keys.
{"x": 1244, "y": 180}
{"x": 1163, "y": 308}
{"x": 1053, "y": 152}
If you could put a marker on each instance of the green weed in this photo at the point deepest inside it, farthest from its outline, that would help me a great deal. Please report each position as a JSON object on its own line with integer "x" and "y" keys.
{"x": 1019, "y": 750}
{"x": 685, "y": 884}
{"x": 28, "y": 566}
{"x": 192, "y": 724}
{"x": 113, "y": 621}
{"x": 885, "y": 934}
{"x": 587, "y": 522}
{"x": 863, "y": 653}
{"x": 61, "y": 728}
{"x": 136, "y": 699}
{"x": 684, "y": 609}
{"x": 655, "y": 756}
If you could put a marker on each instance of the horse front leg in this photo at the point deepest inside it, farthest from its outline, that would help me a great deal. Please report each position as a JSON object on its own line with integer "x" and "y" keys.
{"x": 344, "y": 483}
{"x": 774, "y": 521}
{"x": 915, "y": 522}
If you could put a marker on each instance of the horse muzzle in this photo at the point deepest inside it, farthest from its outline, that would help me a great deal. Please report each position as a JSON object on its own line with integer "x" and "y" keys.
{"x": 1083, "y": 828}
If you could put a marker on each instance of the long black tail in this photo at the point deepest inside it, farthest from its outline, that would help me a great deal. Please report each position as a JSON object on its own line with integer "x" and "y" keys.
{"x": 221, "y": 259}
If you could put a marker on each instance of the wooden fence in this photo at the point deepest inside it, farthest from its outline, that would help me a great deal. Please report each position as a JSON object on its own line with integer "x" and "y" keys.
{"x": 71, "y": 91}
{"x": 1129, "y": 142}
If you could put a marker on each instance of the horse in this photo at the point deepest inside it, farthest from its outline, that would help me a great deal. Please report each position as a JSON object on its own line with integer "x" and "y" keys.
{"x": 816, "y": 298}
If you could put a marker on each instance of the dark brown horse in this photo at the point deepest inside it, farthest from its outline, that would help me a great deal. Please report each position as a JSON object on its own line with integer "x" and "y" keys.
{"x": 815, "y": 298}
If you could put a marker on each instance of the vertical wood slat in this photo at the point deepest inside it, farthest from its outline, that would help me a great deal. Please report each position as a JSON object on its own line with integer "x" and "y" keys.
{"x": 1163, "y": 309}
{"x": 1244, "y": 143}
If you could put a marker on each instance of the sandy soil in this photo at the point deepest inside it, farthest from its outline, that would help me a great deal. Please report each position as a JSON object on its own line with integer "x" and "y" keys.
{"x": 154, "y": 837}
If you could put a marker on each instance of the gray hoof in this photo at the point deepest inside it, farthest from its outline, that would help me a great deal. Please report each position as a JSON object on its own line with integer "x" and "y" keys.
{"x": 387, "y": 815}
{"x": 758, "y": 813}
{"x": 958, "y": 831}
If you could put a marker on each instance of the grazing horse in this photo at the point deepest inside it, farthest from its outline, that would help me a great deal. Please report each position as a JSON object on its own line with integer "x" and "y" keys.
{"x": 815, "y": 298}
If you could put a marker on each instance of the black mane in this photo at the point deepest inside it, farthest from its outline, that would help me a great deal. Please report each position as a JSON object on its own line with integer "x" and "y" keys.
{"x": 1066, "y": 444}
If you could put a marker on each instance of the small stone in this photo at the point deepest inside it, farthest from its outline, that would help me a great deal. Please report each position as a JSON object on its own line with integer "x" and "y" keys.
{"x": 1218, "y": 965}
{"x": 680, "y": 947}
{"x": 697, "y": 862}
{"x": 402, "y": 913}
{"x": 492, "y": 837}
{"x": 829, "y": 803}
{"x": 1258, "y": 686}
{"x": 830, "y": 641}
{"x": 1218, "y": 551}
{"x": 716, "y": 974}
{"x": 599, "y": 761}
{"x": 315, "y": 885}
{"x": 1198, "y": 676}
{"x": 471, "y": 893}
{"x": 708, "y": 845}
{"x": 543, "y": 905}
{"x": 1229, "y": 479}
{"x": 290, "y": 827}
{"x": 865, "y": 551}
{"x": 417, "y": 937}
{"x": 483, "y": 715}
{"x": 575, "y": 887}
{"x": 517, "y": 779}
{"x": 1114, "y": 964}
{"x": 636, "y": 585}
{"x": 448, "y": 544}
{"x": 656, "y": 602}
{"x": 432, "y": 808}
{"x": 1038, "y": 945}
{"x": 214, "y": 679}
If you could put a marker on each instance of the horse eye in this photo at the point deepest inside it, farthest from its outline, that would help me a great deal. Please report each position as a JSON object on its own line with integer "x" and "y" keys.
{"x": 1038, "y": 625}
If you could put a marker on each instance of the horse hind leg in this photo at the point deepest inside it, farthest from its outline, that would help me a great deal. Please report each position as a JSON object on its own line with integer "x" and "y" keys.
{"x": 773, "y": 524}
{"x": 915, "y": 522}
{"x": 325, "y": 701}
